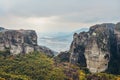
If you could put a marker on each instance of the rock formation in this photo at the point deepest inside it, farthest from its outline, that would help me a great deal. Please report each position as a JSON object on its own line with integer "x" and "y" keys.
{"x": 21, "y": 42}
{"x": 98, "y": 48}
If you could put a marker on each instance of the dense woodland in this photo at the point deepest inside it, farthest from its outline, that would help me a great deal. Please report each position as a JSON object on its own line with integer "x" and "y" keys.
{"x": 37, "y": 66}
{"x": 34, "y": 66}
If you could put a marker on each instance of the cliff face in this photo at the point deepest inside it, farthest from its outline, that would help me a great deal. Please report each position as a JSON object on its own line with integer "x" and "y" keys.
{"x": 96, "y": 48}
{"x": 20, "y": 42}
{"x": 114, "y": 63}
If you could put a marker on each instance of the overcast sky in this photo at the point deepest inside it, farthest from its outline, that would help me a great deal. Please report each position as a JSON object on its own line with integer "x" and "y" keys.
{"x": 57, "y": 15}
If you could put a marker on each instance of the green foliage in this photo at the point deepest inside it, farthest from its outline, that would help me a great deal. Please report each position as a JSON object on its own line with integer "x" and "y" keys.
{"x": 57, "y": 74}
{"x": 35, "y": 66}
{"x": 97, "y": 76}
{"x": 101, "y": 76}
{"x": 13, "y": 77}
{"x": 62, "y": 57}
{"x": 82, "y": 75}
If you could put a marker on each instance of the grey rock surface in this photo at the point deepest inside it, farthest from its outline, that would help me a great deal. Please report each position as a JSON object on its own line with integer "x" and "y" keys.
{"x": 95, "y": 49}
{"x": 21, "y": 42}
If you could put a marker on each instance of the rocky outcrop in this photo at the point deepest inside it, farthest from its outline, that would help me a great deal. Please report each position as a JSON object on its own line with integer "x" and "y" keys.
{"x": 62, "y": 57}
{"x": 114, "y": 63}
{"x": 45, "y": 50}
{"x": 20, "y": 42}
{"x": 97, "y": 48}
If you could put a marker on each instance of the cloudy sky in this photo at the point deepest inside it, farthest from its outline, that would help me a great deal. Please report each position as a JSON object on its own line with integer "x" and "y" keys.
{"x": 57, "y": 15}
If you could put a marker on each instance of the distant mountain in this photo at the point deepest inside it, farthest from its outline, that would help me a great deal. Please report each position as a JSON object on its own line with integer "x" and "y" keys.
{"x": 1, "y": 28}
{"x": 58, "y": 41}
{"x": 81, "y": 30}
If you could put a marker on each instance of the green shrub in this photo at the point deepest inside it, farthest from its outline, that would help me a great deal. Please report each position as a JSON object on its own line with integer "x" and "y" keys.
{"x": 35, "y": 66}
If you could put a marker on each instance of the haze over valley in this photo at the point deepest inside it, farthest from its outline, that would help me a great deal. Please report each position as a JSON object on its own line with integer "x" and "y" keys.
{"x": 59, "y": 41}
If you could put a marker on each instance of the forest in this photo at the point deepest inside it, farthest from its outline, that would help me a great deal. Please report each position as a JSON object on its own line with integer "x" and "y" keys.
{"x": 38, "y": 66}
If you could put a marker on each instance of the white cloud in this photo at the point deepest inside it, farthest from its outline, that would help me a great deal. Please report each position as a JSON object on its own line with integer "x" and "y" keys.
{"x": 41, "y": 24}
{"x": 57, "y": 15}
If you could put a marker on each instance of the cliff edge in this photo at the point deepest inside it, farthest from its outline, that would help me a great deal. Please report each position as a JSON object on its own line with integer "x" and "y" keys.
{"x": 98, "y": 49}
{"x": 21, "y": 42}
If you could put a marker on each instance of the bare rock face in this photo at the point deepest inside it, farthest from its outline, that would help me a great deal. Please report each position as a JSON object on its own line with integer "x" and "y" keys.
{"x": 77, "y": 49}
{"x": 96, "y": 48}
{"x": 117, "y": 35}
{"x": 114, "y": 63}
{"x": 20, "y": 41}
{"x": 97, "y": 51}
